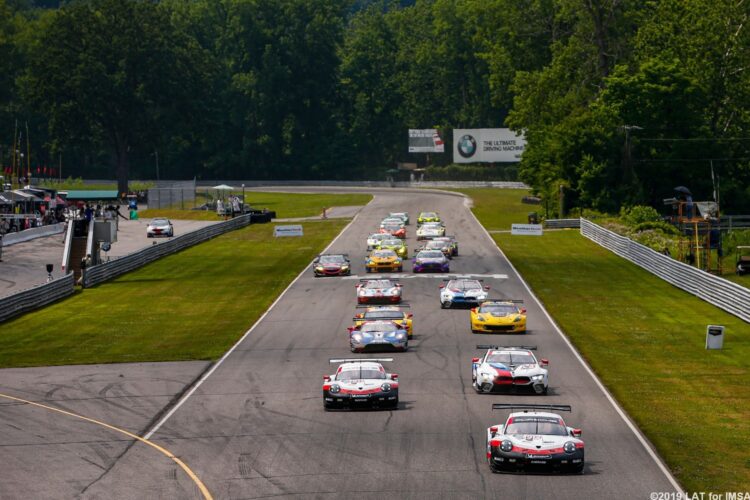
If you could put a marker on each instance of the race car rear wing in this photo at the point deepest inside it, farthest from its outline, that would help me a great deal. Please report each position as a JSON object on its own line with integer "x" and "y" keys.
{"x": 366, "y": 306}
{"x": 527, "y": 407}
{"x": 379, "y": 279}
{"x": 360, "y": 360}
{"x": 523, "y": 347}
{"x": 514, "y": 301}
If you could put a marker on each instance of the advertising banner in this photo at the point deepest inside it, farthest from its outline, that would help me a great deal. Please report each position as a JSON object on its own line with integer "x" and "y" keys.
{"x": 526, "y": 229}
{"x": 425, "y": 140}
{"x": 292, "y": 230}
{"x": 488, "y": 145}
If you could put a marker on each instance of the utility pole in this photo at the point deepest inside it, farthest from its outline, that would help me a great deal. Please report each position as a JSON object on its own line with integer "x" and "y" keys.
{"x": 156, "y": 155}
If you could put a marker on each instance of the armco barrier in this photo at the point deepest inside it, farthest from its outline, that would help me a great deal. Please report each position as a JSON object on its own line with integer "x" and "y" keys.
{"x": 562, "y": 223}
{"x": 108, "y": 270}
{"x": 724, "y": 294}
{"x": 36, "y": 297}
{"x": 33, "y": 233}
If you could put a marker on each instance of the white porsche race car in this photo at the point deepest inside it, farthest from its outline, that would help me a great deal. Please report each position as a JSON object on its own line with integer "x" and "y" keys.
{"x": 534, "y": 440}
{"x": 509, "y": 369}
{"x": 462, "y": 291}
{"x": 360, "y": 383}
{"x": 375, "y": 239}
{"x": 429, "y": 230}
{"x": 371, "y": 291}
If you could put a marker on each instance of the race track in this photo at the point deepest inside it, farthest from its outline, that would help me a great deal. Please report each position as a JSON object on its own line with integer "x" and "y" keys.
{"x": 256, "y": 428}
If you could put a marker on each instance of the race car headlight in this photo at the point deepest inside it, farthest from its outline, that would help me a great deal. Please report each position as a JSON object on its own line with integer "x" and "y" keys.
{"x": 481, "y": 318}
{"x": 518, "y": 318}
{"x": 344, "y": 268}
{"x": 400, "y": 335}
{"x": 506, "y": 445}
{"x": 371, "y": 262}
{"x": 319, "y": 268}
{"x": 334, "y": 389}
{"x": 357, "y": 337}
{"x": 385, "y": 387}
{"x": 537, "y": 378}
{"x": 569, "y": 447}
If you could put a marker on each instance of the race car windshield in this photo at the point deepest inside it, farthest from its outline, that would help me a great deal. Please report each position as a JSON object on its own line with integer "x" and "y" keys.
{"x": 430, "y": 255}
{"x": 391, "y": 227}
{"x": 159, "y": 222}
{"x": 380, "y": 327}
{"x": 429, "y": 215}
{"x": 465, "y": 285}
{"x": 360, "y": 374}
{"x": 332, "y": 259}
{"x": 499, "y": 309}
{"x": 511, "y": 358}
{"x": 536, "y": 425}
{"x": 395, "y": 243}
{"x": 384, "y": 315}
{"x": 379, "y": 284}
{"x": 434, "y": 245}
{"x": 384, "y": 254}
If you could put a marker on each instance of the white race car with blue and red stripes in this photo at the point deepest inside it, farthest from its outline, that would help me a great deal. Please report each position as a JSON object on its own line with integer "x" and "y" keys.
{"x": 509, "y": 369}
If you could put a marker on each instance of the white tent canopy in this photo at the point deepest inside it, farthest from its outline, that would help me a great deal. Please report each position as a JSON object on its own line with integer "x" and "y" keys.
{"x": 223, "y": 187}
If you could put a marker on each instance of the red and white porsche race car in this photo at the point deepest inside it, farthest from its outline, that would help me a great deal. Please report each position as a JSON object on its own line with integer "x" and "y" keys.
{"x": 534, "y": 439}
{"x": 360, "y": 383}
{"x": 371, "y": 291}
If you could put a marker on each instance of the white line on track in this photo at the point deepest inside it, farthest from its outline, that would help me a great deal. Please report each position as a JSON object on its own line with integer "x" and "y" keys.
{"x": 615, "y": 404}
{"x": 184, "y": 398}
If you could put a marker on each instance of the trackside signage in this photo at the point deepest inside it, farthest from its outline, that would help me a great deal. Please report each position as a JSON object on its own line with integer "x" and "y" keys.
{"x": 526, "y": 229}
{"x": 293, "y": 230}
{"x": 488, "y": 145}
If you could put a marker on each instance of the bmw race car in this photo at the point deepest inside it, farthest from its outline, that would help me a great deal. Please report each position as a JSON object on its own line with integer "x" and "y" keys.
{"x": 374, "y": 240}
{"x": 443, "y": 246}
{"x": 502, "y": 316}
{"x": 451, "y": 239}
{"x": 534, "y": 439}
{"x": 392, "y": 220}
{"x": 159, "y": 227}
{"x": 395, "y": 244}
{"x": 360, "y": 383}
{"x": 430, "y": 230}
{"x": 383, "y": 260}
{"x": 462, "y": 291}
{"x": 392, "y": 313}
{"x": 378, "y": 335}
{"x": 332, "y": 265}
{"x": 511, "y": 369}
{"x": 431, "y": 260}
{"x": 404, "y": 216}
{"x": 394, "y": 229}
{"x": 427, "y": 217}
{"x": 378, "y": 291}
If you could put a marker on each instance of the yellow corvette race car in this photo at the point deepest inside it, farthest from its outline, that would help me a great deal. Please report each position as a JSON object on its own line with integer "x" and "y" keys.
{"x": 427, "y": 217}
{"x": 383, "y": 260}
{"x": 397, "y": 245}
{"x": 385, "y": 313}
{"x": 498, "y": 316}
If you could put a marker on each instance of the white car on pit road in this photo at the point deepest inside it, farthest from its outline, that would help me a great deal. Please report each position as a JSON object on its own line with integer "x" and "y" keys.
{"x": 509, "y": 369}
{"x": 360, "y": 383}
{"x": 462, "y": 291}
{"x": 375, "y": 291}
{"x": 429, "y": 230}
{"x": 534, "y": 440}
{"x": 159, "y": 227}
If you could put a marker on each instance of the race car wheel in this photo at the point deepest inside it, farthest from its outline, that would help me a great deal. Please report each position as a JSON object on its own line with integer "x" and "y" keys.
{"x": 368, "y": 270}
{"x": 446, "y": 305}
{"x": 544, "y": 392}
{"x": 400, "y": 268}
{"x": 494, "y": 468}
{"x": 578, "y": 469}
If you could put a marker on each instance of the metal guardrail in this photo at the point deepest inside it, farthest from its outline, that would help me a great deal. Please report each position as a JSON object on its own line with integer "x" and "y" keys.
{"x": 33, "y": 233}
{"x": 36, "y": 297}
{"x": 562, "y": 223}
{"x": 731, "y": 297}
{"x": 363, "y": 184}
{"x": 106, "y": 271}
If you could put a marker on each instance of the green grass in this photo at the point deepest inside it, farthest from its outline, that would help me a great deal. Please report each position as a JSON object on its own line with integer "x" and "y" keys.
{"x": 499, "y": 208}
{"x": 645, "y": 340}
{"x": 191, "y": 305}
{"x": 286, "y": 205}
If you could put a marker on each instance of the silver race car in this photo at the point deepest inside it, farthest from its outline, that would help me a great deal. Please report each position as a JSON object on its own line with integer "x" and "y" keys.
{"x": 462, "y": 291}
{"x": 374, "y": 240}
{"x": 404, "y": 216}
{"x": 443, "y": 246}
{"x": 509, "y": 369}
{"x": 534, "y": 440}
{"x": 159, "y": 227}
{"x": 378, "y": 335}
{"x": 360, "y": 383}
{"x": 378, "y": 291}
{"x": 430, "y": 230}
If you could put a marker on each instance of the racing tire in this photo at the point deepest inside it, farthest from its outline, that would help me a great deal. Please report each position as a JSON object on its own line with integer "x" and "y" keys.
{"x": 544, "y": 392}
{"x": 368, "y": 270}
{"x": 578, "y": 469}
{"x": 149, "y": 235}
{"x": 473, "y": 330}
{"x": 394, "y": 406}
{"x": 446, "y": 305}
{"x": 494, "y": 468}
{"x": 400, "y": 268}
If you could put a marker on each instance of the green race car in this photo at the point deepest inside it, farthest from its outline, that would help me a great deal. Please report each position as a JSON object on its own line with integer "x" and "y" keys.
{"x": 397, "y": 245}
{"x": 427, "y": 217}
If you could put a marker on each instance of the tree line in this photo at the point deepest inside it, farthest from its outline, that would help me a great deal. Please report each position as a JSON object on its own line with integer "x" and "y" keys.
{"x": 620, "y": 100}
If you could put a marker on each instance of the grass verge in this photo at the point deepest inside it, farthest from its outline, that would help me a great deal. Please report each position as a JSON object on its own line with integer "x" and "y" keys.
{"x": 285, "y": 205}
{"x": 191, "y": 305}
{"x": 645, "y": 340}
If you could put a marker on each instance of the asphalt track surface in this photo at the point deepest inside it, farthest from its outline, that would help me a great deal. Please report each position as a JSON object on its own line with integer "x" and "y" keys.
{"x": 256, "y": 428}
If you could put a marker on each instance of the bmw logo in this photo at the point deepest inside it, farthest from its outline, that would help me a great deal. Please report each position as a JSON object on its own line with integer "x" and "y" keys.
{"x": 467, "y": 146}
